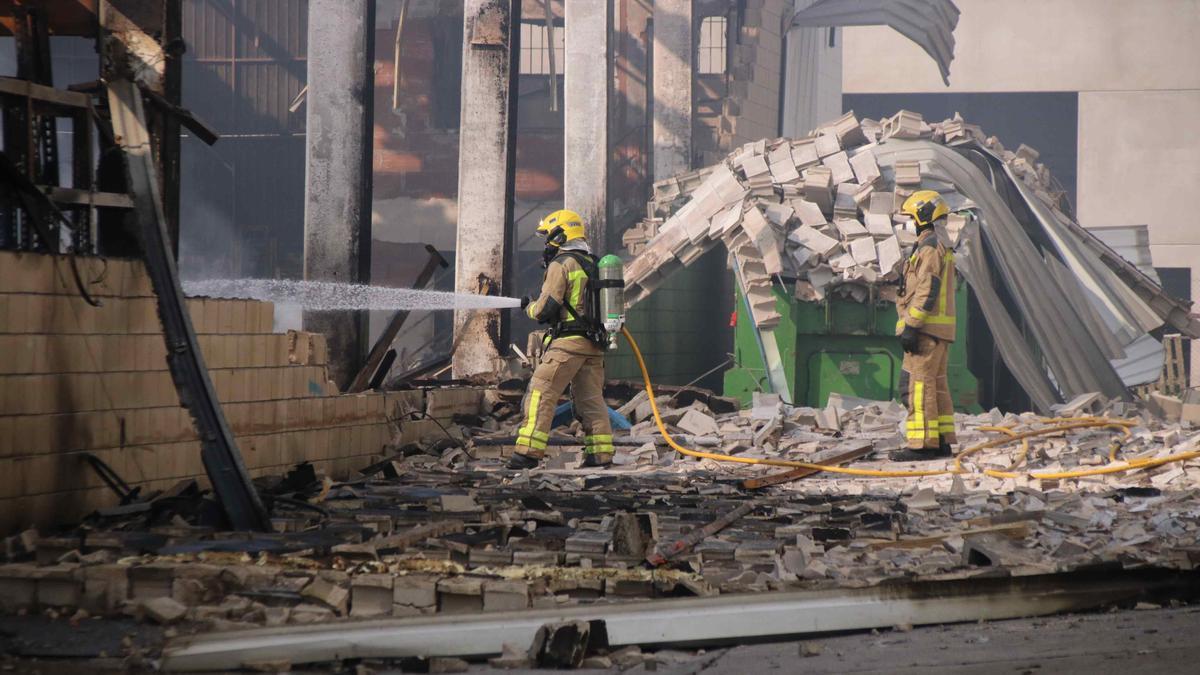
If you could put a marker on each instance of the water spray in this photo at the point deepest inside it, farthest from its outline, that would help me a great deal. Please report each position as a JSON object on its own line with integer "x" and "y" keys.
{"x": 330, "y": 296}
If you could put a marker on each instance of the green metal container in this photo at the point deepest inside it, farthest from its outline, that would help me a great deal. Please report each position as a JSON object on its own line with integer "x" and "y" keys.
{"x": 839, "y": 346}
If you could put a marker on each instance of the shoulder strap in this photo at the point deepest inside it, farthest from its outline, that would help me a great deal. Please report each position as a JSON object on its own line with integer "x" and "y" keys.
{"x": 590, "y": 267}
{"x": 586, "y": 260}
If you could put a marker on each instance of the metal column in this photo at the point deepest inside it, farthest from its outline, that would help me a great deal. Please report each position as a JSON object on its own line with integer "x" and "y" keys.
{"x": 588, "y": 80}
{"x": 337, "y": 197}
{"x": 485, "y": 188}
{"x": 672, "y": 55}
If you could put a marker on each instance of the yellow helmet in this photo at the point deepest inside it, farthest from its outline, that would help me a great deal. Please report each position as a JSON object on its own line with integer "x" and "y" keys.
{"x": 566, "y": 222}
{"x": 925, "y": 206}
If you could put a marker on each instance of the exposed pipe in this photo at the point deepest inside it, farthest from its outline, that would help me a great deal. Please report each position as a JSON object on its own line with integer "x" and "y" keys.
{"x": 553, "y": 70}
{"x": 396, "y": 55}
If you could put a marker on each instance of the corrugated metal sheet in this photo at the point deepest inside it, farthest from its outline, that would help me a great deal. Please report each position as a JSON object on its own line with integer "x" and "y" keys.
{"x": 1066, "y": 325}
{"x": 245, "y": 63}
{"x": 243, "y": 207}
{"x": 1143, "y": 362}
{"x": 929, "y": 23}
{"x": 812, "y": 79}
{"x": 1131, "y": 242}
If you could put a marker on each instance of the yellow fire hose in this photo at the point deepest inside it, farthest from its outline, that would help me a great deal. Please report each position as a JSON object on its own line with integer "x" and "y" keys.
{"x": 1057, "y": 425}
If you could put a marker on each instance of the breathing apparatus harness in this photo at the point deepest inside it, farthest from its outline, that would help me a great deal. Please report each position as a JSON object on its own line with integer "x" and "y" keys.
{"x": 603, "y": 300}
{"x": 588, "y": 323}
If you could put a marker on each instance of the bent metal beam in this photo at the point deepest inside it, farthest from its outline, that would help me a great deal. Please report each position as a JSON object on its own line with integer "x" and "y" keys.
{"x": 724, "y": 619}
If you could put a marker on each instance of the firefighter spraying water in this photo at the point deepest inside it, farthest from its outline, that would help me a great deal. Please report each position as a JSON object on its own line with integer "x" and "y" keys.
{"x": 582, "y": 302}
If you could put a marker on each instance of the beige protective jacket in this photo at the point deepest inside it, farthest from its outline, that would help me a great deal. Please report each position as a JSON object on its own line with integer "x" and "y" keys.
{"x": 927, "y": 302}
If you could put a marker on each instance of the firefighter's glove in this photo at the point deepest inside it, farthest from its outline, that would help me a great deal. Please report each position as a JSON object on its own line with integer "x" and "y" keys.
{"x": 525, "y": 300}
{"x": 908, "y": 340}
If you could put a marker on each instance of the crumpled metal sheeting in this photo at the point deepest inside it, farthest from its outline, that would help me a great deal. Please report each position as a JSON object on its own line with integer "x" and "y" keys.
{"x": 1172, "y": 311}
{"x": 1143, "y": 362}
{"x": 1132, "y": 315}
{"x": 1010, "y": 342}
{"x": 1074, "y": 357}
{"x": 1113, "y": 347}
{"x": 929, "y": 23}
{"x": 1131, "y": 242}
{"x": 1127, "y": 318}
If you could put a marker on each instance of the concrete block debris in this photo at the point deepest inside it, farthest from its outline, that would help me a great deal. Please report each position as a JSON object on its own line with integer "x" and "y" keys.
{"x": 798, "y": 208}
{"x": 819, "y": 218}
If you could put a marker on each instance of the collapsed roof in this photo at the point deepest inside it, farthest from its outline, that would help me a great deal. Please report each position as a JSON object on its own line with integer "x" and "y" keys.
{"x": 820, "y": 215}
{"x": 929, "y": 23}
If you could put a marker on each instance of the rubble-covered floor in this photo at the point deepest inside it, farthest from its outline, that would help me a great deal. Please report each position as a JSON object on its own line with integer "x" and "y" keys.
{"x": 1110, "y": 643}
{"x": 442, "y": 527}
{"x": 1149, "y": 640}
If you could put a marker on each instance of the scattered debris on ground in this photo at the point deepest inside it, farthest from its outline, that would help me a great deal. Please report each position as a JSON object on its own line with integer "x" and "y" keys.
{"x": 441, "y": 527}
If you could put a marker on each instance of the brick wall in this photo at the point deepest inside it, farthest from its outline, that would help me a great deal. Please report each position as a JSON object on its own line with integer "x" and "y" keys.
{"x": 742, "y": 105}
{"x": 77, "y": 379}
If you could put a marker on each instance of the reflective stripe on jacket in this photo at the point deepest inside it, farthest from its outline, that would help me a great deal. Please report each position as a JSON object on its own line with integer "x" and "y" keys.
{"x": 929, "y": 282}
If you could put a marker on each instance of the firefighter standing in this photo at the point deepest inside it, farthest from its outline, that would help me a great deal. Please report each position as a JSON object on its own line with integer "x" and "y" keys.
{"x": 926, "y": 328}
{"x": 574, "y": 352}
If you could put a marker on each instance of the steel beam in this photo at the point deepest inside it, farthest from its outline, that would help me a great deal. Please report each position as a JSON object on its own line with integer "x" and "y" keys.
{"x": 218, "y": 449}
{"x": 723, "y": 619}
{"x": 44, "y": 94}
{"x": 74, "y": 197}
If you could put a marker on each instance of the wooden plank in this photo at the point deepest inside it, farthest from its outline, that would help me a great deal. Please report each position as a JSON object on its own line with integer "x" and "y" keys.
{"x": 402, "y": 540}
{"x": 74, "y": 197}
{"x": 1006, "y": 518}
{"x": 666, "y": 551}
{"x": 76, "y": 17}
{"x": 1178, "y": 381}
{"x": 1018, "y": 530}
{"x": 71, "y": 99}
{"x": 844, "y": 457}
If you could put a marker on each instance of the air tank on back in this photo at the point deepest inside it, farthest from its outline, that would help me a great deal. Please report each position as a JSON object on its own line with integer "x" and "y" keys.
{"x": 612, "y": 296}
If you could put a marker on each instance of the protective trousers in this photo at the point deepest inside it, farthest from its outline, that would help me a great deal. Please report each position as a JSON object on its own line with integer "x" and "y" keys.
{"x": 578, "y": 363}
{"x": 930, "y": 409}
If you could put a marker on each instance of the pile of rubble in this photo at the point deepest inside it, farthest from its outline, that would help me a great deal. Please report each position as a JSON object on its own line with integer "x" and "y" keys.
{"x": 818, "y": 217}
{"x": 440, "y": 526}
{"x": 819, "y": 209}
